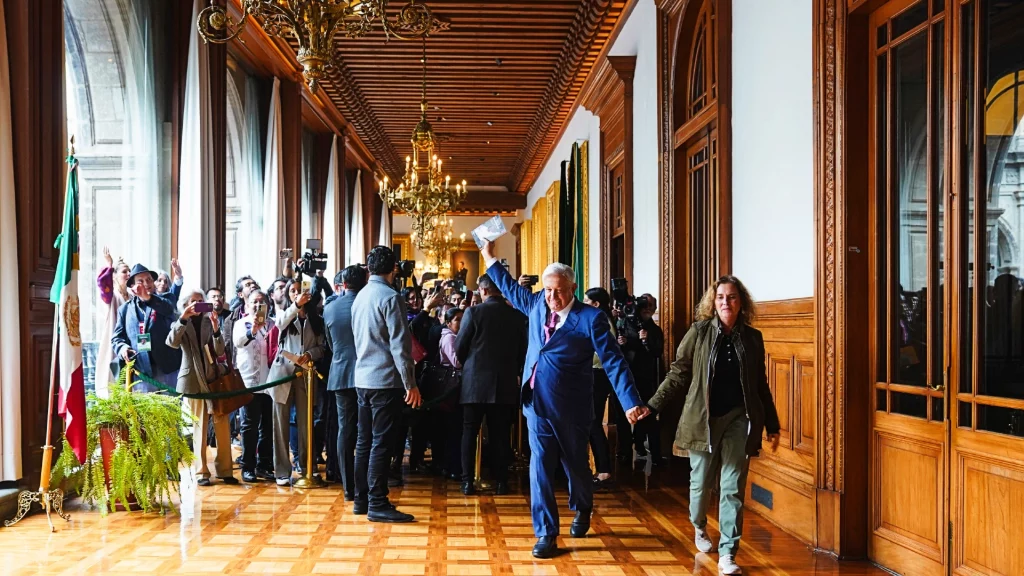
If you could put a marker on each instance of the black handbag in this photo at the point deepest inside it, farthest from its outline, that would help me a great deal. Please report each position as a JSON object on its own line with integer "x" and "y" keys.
{"x": 440, "y": 384}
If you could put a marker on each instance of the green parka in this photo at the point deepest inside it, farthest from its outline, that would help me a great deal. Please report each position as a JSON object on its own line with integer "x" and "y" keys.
{"x": 691, "y": 375}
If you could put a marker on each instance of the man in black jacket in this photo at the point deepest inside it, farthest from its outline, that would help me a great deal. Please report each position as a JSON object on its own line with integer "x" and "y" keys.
{"x": 338, "y": 319}
{"x": 491, "y": 346}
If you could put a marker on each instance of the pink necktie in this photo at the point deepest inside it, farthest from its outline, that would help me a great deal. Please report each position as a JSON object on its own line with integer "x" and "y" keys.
{"x": 549, "y": 330}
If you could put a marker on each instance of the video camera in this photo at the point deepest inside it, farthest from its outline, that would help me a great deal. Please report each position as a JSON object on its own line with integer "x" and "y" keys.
{"x": 313, "y": 260}
{"x": 628, "y": 305}
{"x": 403, "y": 272}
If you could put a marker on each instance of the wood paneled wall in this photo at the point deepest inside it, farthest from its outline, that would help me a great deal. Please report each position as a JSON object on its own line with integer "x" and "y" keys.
{"x": 781, "y": 486}
{"x": 35, "y": 37}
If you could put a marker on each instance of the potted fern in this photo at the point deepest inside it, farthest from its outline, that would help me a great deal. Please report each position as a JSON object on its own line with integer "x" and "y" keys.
{"x": 135, "y": 451}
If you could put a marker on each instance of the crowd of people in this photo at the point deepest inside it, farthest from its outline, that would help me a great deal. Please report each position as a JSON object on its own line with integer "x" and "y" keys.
{"x": 410, "y": 367}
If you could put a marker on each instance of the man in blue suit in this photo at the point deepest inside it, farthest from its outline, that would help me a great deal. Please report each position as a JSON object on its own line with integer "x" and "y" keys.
{"x": 557, "y": 392}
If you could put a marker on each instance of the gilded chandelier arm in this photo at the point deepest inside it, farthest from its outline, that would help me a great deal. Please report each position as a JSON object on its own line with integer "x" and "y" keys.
{"x": 215, "y": 25}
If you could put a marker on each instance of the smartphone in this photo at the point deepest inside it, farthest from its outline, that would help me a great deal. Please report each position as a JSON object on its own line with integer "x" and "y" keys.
{"x": 261, "y": 313}
{"x": 203, "y": 307}
{"x": 285, "y": 253}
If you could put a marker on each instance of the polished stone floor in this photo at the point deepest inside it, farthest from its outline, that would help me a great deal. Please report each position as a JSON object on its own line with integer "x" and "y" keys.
{"x": 264, "y": 529}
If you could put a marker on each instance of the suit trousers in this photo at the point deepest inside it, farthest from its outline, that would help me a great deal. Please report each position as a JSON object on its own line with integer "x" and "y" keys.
{"x": 379, "y": 414}
{"x": 553, "y": 442}
{"x": 222, "y": 429}
{"x": 257, "y": 434}
{"x": 282, "y": 428}
{"x": 728, "y": 447}
{"x": 347, "y": 422}
{"x": 499, "y": 426}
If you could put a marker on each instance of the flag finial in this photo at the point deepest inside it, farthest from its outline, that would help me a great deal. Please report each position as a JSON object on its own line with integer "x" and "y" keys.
{"x": 72, "y": 146}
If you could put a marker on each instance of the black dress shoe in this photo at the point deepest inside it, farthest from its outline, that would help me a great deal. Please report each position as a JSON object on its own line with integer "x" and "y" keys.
{"x": 580, "y": 524}
{"x": 249, "y": 476}
{"x": 390, "y": 515}
{"x": 546, "y": 547}
{"x": 228, "y": 479}
{"x": 266, "y": 473}
{"x": 360, "y": 508}
{"x": 501, "y": 489}
{"x": 468, "y": 489}
{"x": 603, "y": 485}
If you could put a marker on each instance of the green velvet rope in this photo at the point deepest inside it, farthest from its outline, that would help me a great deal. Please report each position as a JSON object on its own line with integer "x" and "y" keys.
{"x": 213, "y": 395}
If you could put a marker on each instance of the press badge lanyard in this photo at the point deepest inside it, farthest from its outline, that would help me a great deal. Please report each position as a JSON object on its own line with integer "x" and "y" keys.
{"x": 145, "y": 344}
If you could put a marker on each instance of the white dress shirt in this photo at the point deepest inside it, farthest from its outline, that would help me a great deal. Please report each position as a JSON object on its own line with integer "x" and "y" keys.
{"x": 564, "y": 313}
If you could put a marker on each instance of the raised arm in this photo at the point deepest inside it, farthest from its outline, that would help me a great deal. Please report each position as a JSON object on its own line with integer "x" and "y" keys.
{"x": 520, "y": 297}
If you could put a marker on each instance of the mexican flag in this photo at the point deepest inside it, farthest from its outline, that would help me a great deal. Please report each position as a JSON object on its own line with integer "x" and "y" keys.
{"x": 64, "y": 293}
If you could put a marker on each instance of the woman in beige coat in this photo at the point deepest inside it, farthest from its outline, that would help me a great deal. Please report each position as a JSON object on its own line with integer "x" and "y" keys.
{"x": 199, "y": 338}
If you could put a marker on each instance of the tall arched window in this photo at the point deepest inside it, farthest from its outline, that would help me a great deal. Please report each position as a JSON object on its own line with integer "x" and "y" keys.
{"x": 113, "y": 112}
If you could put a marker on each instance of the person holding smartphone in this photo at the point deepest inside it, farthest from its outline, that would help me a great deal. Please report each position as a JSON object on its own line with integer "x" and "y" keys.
{"x": 252, "y": 337}
{"x": 197, "y": 334}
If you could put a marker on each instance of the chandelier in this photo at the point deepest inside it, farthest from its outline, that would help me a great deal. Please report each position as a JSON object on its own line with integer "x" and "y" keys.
{"x": 439, "y": 241}
{"x": 424, "y": 192}
{"x": 314, "y": 23}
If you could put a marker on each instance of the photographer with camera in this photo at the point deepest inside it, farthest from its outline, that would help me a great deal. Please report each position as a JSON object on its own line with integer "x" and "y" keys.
{"x": 642, "y": 344}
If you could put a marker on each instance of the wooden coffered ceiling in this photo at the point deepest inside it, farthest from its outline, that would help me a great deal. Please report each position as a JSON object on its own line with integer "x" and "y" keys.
{"x": 517, "y": 65}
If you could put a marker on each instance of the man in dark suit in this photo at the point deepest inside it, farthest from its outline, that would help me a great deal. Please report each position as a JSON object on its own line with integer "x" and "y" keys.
{"x": 143, "y": 323}
{"x": 557, "y": 392}
{"x": 338, "y": 319}
{"x": 491, "y": 346}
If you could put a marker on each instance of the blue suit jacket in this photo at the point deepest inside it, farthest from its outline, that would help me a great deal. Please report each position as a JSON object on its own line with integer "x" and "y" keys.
{"x": 338, "y": 318}
{"x": 564, "y": 384}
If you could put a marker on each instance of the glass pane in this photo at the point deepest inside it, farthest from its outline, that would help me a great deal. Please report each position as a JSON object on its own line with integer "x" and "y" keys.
{"x": 1003, "y": 309}
{"x": 910, "y": 184}
{"x": 880, "y": 403}
{"x": 881, "y": 188}
{"x": 938, "y": 198}
{"x": 938, "y": 6}
{"x": 1002, "y": 420}
{"x": 909, "y": 404}
{"x": 967, "y": 177}
{"x": 883, "y": 34}
{"x": 909, "y": 19}
{"x": 938, "y": 409}
{"x": 965, "y": 415}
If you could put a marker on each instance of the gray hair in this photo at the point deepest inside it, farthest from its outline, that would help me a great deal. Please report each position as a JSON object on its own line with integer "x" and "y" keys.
{"x": 559, "y": 269}
{"x": 186, "y": 296}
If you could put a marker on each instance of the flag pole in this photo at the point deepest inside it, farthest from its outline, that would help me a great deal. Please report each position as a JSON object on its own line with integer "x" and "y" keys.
{"x": 49, "y": 499}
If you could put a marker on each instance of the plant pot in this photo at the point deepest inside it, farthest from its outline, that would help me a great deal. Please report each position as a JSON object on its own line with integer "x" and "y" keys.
{"x": 108, "y": 441}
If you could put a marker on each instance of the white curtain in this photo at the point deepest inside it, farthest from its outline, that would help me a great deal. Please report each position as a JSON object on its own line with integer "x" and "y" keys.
{"x": 141, "y": 149}
{"x": 385, "y": 227}
{"x": 306, "y": 219}
{"x": 10, "y": 342}
{"x": 251, "y": 196}
{"x": 332, "y": 212}
{"x": 273, "y": 196}
{"x": 196, "y": 207}
{"x": 356, "y": 247}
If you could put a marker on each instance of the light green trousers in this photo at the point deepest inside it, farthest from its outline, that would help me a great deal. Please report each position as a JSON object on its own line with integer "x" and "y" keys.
{"x": 728, "y": 442}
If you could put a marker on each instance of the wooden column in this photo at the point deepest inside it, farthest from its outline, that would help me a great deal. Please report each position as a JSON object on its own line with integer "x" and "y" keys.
{"x": 35, "y": 37}
{"x": 625, "y": 67}
{"x": 291, "y": 136}
{"x": 840, "y": 333}
{"x": 218, "y": 67}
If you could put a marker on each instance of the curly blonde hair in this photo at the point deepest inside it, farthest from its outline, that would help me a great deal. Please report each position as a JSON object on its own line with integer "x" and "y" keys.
{"x": 706, "y": 308}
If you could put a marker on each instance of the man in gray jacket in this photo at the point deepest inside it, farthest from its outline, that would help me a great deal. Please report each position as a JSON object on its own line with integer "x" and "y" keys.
{"x": 384, "y": 377}
{"x": 342, "y": 382}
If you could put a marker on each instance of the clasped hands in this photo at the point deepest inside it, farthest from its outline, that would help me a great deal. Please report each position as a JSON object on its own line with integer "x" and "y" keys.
{"x": 637, "y": 413}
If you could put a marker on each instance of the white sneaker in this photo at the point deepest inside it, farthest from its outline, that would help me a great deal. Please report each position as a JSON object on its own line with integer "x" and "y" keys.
{"x": 700, "y": 538}
{"x": 284, "y": 481}
{"x": 727, "y": 566}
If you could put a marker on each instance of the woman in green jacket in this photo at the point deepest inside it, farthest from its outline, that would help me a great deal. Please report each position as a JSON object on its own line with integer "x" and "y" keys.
{"x": 720, "y": 370}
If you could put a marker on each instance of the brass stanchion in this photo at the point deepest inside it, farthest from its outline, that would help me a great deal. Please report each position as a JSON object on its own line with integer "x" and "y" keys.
{"x": 310, "y": 478}
{"x": 519, "y": 460}
{"x": 480, "y": 483}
